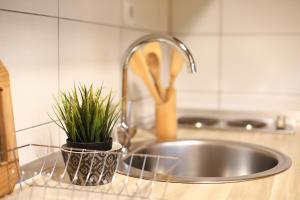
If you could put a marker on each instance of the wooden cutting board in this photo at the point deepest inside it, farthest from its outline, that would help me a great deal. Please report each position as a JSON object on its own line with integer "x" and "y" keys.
{"x": 9, "y": 163}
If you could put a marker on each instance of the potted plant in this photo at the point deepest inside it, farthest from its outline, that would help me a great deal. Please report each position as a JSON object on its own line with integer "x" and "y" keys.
{"x": 88, "y": 117}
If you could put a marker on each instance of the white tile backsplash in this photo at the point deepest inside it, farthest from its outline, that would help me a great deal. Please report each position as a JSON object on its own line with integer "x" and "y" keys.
{"x": 89, "y": 53}
{"x": 164, "y": 13}
{"x": 45, "y": 135}
{"x": 263, "y": 102}
{"x": 201, "y": 16}
{"x": 256, "y": 61}
{"x": 261, "y": 16}
{"x": 142, "y": 14}
{"x": 197, "y": 100}
{"x": 261, "y": 64}
{"x": 129, "y": 36}
{"x": 29, "y": 51}
{"x": 205, "y": 51}
{"x": 140, "y": 111}
{"x": 44, "y": 7}
{"x": 45, "y": 50}
{"x": 100, "y": 11}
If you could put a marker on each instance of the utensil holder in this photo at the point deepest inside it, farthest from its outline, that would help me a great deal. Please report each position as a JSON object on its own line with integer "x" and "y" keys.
{"x": 165, "y": 118}
{"x": 9, "y": 162}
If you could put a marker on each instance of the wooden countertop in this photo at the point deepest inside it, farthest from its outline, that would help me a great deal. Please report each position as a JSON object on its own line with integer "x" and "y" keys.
{"x": 283, "y": 186}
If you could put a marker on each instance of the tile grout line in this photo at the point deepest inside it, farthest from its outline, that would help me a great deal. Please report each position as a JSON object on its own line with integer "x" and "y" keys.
{"x": 27, "y": 13}
{"x": 120, "y": 46}
{"x": 228, "y": 93}
{"x": 58, "y": 60}
{"x": 242, "y": 93}
{"x": 58, "y": 46}
{"x": 240, "y": 34}
{"x": 81, "y": 21}
{"x": 34, "y": 126}
{"x": 220, "y": 54}
{"x": 170, "y": 26}
{"x": 170, "y": 17}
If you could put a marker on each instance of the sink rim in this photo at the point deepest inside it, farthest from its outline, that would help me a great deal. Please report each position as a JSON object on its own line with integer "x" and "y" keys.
{"x": 284, "y": 163}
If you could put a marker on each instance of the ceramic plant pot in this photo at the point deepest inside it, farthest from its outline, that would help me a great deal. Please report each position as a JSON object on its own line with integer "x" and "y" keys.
{"x": 90, "y": 165}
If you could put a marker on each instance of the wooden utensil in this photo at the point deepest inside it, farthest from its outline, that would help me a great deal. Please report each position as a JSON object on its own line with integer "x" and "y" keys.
{"x": 9, "y": 166}
{"x": 153, "y": 54}
{"x": 140, "y": 68}
{"x": 177, "y": 61}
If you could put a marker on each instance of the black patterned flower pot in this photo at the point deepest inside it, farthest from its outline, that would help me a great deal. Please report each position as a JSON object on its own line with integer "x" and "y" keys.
{"x": 89, "y": 167}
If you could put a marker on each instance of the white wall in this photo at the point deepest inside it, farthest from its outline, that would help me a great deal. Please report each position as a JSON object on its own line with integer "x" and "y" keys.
{"x": 248, "y": 53}
{"x": 51, "y": 45}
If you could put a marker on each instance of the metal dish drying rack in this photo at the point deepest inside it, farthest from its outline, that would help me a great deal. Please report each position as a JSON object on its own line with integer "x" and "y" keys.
{"x": 46, "y": 176}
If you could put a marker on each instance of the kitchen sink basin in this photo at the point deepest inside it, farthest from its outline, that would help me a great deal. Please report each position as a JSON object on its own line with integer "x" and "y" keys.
{"x": 205, "y": 161}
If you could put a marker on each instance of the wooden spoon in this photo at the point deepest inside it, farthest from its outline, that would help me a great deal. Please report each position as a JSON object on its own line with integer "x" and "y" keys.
{"x": 140, "y": 68}
{"x": 177, "y": 61}
{"x": 153, "y": 54}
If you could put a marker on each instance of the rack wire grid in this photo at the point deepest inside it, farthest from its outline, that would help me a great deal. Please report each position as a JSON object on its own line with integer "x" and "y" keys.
{"x": 57, "y": 173}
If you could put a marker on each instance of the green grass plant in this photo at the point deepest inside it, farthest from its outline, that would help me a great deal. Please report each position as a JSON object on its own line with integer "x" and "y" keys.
{"x": 86, "y": 114}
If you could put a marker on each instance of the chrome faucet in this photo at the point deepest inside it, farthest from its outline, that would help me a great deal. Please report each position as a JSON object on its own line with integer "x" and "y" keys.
{"x": 124, "y": 132}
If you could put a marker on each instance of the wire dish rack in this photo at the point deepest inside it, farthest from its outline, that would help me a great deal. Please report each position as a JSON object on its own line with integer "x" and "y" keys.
{"x": 57, "y": 173}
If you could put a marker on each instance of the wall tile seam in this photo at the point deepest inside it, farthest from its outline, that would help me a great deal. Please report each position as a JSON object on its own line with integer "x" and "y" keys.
{"x": 141, "y": 29}
{"x": 263, "y": 95}
{"x": 83, "y": 21}
{"x": 288, "y": 94}
{"x": 59, "y": 18}
{"x": 34, "y": 126}
{"x": 58, "y": 51}
{"x": 27, "y": 13}
{"x": 169, "y": 20}
{"x": 220, "y": 54}
{"x": 240, "y": 92}
{"x": 120, "y": 52}
{"x": 238, "y": 34}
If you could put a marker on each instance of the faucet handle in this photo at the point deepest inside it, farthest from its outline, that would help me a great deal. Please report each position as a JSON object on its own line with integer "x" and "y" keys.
{"x": 126, "y": 130}
{"x": 123, "y": 135}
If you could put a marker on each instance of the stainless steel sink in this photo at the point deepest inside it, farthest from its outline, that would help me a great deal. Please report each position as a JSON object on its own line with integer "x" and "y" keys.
{"x": 206, "y": 161}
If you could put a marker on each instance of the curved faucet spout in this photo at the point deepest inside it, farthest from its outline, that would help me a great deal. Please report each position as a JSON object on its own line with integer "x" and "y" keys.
{"x": 173, "y": 41}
